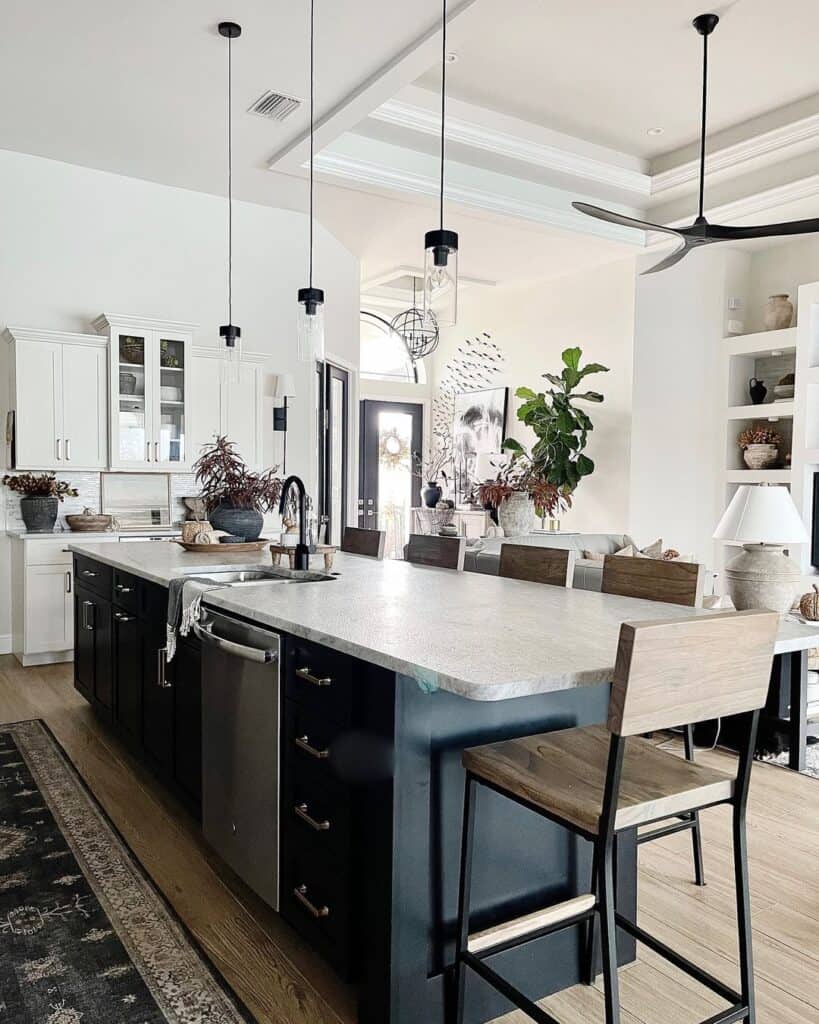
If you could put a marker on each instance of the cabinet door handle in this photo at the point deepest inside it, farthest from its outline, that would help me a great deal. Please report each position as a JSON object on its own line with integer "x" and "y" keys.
{"x": 68, "y": 583}
{"x": 59, "y": 450}
{"x": 300, "y": 892}
{"x": 85, "y": 618}
{"x": 161, "y": 669}
{"x": 147, "y": 451}
{"x": 88, "y": 573}
{"x": 156, "y": 451}
{"x": 123, "y": 589}
{"x": 303, "y": 743}
{"x": 121, "y": 617}
{"x": 68, "y": 449}
{"x": 302, "y": 812}
{"x": 305, "y": 673}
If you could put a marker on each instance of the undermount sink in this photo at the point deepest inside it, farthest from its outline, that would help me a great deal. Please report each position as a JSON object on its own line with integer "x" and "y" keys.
{"x": 233, "y": 577}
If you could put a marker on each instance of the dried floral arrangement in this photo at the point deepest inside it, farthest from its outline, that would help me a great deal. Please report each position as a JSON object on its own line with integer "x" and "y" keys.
{"x": 440, "y": 457}
{"x": 224, "y": 479}
{"x": 758, "y": 434}
{"x": 521, "y": 476}
{"x": 44, "y": 485}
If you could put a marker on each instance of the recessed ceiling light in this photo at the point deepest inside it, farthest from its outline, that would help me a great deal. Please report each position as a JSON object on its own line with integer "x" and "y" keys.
{"x": 655, "y": 131}
{"x": 452, "y": 57}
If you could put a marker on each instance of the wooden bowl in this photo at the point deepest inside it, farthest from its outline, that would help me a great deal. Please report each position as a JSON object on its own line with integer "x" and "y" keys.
{"x": 89, "y": 523}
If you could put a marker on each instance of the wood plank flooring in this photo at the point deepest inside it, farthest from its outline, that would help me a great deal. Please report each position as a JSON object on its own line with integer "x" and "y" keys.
{"x": 282, "y": 982}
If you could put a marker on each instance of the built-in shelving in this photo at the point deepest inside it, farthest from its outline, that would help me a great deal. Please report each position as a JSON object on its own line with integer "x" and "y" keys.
{"x": 758, "y": 476}
{"x": 765, "y": 411}
{"x": 762, "y": 343}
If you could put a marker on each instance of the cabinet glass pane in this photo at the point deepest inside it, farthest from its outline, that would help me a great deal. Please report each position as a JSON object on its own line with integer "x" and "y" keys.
{"x": 171, "y": 400}
{"x": 133, "y": 435}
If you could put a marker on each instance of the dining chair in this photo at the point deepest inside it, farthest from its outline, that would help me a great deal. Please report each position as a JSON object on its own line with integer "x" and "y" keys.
{"x": 363, "y": 542}
{"x": 537, "y": 565}
{"x": 443, "y": 552}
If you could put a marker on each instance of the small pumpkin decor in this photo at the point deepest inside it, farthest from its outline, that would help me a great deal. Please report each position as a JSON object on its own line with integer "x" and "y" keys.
{"x": 809, "y": 604}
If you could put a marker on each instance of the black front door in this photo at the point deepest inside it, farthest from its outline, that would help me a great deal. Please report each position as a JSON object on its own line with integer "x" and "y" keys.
{"x": 389, "y": 484}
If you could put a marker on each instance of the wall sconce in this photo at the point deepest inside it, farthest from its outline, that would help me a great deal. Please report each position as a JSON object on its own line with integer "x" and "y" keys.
{"x": 285, "y": 388}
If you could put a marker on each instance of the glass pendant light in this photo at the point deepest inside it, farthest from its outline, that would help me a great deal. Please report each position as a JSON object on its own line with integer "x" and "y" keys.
{"x": 311, "y": 300}
{"x": 441, "y": 255}
{"x": 229, "y": 331}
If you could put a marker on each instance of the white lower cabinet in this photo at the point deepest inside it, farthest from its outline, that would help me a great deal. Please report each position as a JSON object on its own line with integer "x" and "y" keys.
{"x": 49, "y": 614}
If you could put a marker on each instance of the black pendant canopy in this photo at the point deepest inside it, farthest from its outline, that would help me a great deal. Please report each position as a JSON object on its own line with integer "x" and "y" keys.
{"x": 229, "y": 331}
{"x": 700, "y": 232}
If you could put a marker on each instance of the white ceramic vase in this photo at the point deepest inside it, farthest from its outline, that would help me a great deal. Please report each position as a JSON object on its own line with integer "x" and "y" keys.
{"x": 517, "y": 515}
{"x": 762, "y": 576}
{"x": 778, "y": 313}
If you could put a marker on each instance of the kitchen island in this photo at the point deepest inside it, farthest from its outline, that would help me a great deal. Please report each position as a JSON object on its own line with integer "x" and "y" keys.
{"x": 387, "y": 672}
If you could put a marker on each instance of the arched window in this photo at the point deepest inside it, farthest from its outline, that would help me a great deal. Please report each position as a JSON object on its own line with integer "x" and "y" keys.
{"x": 384, "y": 355}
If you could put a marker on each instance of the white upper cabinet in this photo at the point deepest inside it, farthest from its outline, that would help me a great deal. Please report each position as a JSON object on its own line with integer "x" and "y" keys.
{"x": 150, "y": 392}
{"x": 231, "y": 408}
{"x": 57, "y": 395}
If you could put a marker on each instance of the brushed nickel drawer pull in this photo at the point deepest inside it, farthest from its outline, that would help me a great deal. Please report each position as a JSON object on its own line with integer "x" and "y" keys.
{"x": 88, "y": 573}
{"x": 122, "y": 589}
{"x": 300, "y": 892}
{"x": 120, "y": 617}
{"x": 305, "y": 673}
{"x": 318, "y": 826}
{"x": 303, "y": 743}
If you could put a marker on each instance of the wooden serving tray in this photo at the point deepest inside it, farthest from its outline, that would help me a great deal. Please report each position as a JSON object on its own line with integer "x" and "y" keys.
{"x": 222, "y": 549}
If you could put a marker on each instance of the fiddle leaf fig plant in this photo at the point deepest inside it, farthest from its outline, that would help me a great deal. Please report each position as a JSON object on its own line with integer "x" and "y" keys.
{"x": 560, "y": 426}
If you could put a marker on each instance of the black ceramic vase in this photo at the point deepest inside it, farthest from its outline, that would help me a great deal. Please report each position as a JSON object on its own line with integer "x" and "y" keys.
{"x": 432, "y": 494}
{"x": 240, "y": 522}
{"x": 757, "y": 391}
{"x": 39, "y": 514}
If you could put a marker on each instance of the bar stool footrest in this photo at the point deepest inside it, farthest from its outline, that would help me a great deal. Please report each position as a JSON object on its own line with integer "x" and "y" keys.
{"x": 667, "y": 830}
{"x": 521, "y": 929}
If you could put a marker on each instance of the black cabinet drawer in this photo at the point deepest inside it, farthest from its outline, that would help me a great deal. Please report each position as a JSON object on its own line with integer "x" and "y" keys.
{"x": 94, "y": 575}
{"x": 126, "y": 591}
{"x": 153, "y": 602}
{"x": 317, "y": 814}
{"x": 320, "y": 678}
{"x": 316, "y": 899}
{"x": 314, "y": 744}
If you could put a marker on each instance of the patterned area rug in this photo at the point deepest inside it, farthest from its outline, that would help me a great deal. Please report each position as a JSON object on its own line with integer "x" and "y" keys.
{"x": 811, "y": 760}
{"x": 85, "y": 937}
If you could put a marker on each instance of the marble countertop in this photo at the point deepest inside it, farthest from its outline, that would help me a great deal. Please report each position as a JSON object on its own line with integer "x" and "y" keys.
{"x": 482, "y": 637}
{"x": 160, "y": 531}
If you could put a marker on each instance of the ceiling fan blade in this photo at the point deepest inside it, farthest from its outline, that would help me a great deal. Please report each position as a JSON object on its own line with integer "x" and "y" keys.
{"x": 619, "y": 218}
{"x": 724, "y": 232}
{"x": 668, "y": 261}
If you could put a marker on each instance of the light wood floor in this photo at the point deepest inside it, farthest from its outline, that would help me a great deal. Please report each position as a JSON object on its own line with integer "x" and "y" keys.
{"x": 283, "y": 983}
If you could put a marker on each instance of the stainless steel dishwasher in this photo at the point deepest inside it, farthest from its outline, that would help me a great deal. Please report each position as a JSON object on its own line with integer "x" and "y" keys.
{"x": 240, "y": 748}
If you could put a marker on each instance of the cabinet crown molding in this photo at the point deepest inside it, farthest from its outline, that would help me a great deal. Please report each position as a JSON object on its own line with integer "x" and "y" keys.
{"x": 107, "y": 321}
{"x": 12, "y": 334}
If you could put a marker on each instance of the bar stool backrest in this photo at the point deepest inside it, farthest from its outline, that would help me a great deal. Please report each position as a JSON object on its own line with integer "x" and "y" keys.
{"x": 654, "y": 579}
{"x": 443, "y": 552}
{"x": 537, "y": 565}
{"x": 678, "y": 671}
{"x": 363, "y": 542}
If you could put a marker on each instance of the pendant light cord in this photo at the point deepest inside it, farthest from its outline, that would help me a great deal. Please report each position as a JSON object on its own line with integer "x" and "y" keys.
{"x": 443, "y": 112}
{"x": 703, "y": 126}
{"x": 230, "y": 182}
{"x": 312, "y": 91}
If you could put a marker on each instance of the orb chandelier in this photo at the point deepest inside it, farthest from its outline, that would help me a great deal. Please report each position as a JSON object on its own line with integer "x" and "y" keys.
{"x": 419, "y": 331}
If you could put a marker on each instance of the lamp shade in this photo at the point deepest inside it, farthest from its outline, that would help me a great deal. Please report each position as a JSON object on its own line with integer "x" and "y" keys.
{"x": 285, "y": 385}
{"x": 762, "y": 515}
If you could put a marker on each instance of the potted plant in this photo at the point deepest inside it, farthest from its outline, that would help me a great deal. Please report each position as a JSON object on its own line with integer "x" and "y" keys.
{"x": 41, "y": 493}
{"x": 561, "y": 428}
{"x": 760, "y": 446}
{"x": 431, "y": 468}
{"x": 510, "y": 495}
{"x": 234, "y": 497}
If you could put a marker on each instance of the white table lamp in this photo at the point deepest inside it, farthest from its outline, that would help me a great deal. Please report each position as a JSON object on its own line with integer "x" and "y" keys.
{"x": 764, "y": 519}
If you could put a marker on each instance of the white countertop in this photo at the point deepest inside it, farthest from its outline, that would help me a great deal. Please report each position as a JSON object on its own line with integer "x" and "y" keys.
{"x": 483, "y": 637}
{"x": 82, "y": 535}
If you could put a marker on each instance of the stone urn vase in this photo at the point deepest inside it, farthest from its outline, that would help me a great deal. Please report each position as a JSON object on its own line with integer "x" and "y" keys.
{"x": 517, "y": 514}
{"x": 432, "y": 494}
{"x": 762, "y": 576}
{"x": 760, "y": 456}
{"x": 39, "y": 514}
{"x": 239, "y": 522}
{"x": 778, "y": 313}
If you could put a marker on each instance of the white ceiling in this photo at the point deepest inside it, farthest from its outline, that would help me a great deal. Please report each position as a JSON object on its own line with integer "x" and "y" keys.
{"x": 608, "y": 70}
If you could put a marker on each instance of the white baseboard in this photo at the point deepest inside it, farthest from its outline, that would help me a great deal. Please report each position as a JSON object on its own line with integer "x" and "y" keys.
{"x": 48, "y": 658}
{"x": 5, "y": 643}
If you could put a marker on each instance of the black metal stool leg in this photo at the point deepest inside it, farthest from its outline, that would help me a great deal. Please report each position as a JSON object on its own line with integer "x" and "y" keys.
{"x": 696, "y": 836}
{"x": 746, "y": 960}
{"x": 608, "y": 930}
{"x": 465, "y": 884}
{"x": 589, "y": 972}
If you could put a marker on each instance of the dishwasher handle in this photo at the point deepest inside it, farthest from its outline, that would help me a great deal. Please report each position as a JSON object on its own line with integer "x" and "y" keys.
{"x": 265, "y": 656}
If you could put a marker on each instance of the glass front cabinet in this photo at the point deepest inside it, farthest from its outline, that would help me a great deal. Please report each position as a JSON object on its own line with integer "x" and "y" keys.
{"x": 150, "y": 371}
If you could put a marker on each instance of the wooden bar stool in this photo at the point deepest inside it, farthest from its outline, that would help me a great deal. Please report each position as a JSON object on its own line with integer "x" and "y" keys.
{"x": 599, "y": 781}
{"x": 674, "y": 583}
{"x": 363, "y": 542}
{"x": 443, "y": 552}
{"x": 537, "y": 565}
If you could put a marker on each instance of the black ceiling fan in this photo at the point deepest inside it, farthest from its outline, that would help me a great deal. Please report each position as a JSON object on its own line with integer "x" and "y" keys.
{"x": 700, "y": 232}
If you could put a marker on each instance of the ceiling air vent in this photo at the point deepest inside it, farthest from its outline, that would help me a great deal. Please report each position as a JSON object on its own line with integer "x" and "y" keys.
{"x": 274, "y": 106}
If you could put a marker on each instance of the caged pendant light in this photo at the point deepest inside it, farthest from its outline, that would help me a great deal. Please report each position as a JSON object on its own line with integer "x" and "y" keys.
{"x": 441, "y": 246}
{"x": 311, "y": 300}
{"x": 418, "y": 331}
{"x": 229, "y": 331}
{"x": 700, "y": 232}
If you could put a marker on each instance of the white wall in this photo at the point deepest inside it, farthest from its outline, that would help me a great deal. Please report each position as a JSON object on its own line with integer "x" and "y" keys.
{"x": 533, "y": 325}
{"x": 78, "y": 242}
{"x": 780, "y": 269}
